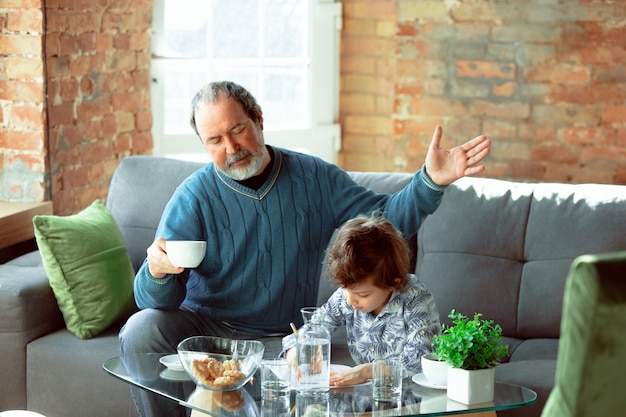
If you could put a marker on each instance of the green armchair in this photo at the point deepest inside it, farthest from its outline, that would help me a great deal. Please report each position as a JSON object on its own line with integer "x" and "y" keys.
{"x": 591, "y": 363}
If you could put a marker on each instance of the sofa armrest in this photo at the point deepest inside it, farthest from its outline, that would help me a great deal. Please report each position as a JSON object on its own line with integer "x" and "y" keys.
{"x": 27, "y": 303}
{"x": 28, "y": 310}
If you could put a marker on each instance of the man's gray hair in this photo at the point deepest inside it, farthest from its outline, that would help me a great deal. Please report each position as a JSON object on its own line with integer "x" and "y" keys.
{"x": 210, "y": 92}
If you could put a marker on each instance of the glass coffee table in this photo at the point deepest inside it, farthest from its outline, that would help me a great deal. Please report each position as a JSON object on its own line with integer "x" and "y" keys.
{"x": 145, "y": 371}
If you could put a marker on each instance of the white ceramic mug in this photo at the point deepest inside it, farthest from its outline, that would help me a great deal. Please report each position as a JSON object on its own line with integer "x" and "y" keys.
{"x": 435, "y": 370}
{"x": 185, "y": 253}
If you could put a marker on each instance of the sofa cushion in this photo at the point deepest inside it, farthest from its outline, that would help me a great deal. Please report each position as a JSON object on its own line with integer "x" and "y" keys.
{"x": 65, "y": 376}
{"x": 88, "y": 268}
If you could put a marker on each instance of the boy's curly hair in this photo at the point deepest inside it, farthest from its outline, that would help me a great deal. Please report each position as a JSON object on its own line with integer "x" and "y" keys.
{"x": 369, "y": 246}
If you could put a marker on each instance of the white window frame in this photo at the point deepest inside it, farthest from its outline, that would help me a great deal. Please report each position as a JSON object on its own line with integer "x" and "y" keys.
{"x": 322, "y": 138}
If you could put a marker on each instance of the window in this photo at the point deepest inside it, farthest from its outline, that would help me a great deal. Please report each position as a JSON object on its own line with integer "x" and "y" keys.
{"x": 286, "y": 52}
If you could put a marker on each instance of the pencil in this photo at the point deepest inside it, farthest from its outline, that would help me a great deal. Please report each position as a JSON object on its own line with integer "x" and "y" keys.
{"x": 293, "y": 327}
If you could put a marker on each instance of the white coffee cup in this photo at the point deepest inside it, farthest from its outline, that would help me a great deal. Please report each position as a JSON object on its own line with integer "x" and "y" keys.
{"x": 185, "y": 253}
{"x": 434, "y": 369}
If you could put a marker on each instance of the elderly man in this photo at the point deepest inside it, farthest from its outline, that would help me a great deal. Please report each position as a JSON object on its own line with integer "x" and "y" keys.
{"x": 267, "y": 215}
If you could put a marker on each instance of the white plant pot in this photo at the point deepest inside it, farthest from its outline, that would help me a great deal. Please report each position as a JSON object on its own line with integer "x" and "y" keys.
{"x": 471, "y": 387}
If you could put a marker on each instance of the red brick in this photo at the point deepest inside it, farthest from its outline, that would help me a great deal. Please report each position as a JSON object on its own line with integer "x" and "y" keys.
{"x": 500, "y": 129}
{"x": 68, "y": 89}
{"x": 20, "y": 44}
{"x": 438, "y": 106}
{"x": 125, "y": 102}
{"x": 459, "y": 129}
{"x": 123, "y": 82}
{"x": 121, "y": 61}
{"x": 357, "y": 64}
{"x": 57, "y": 67}
{"x": 56, "y": 22}
{"x": 367, "y": 46}
{"x": 93, "y": 4}
{"x": 580, "y": 135}
{"x": 120, "y": 21}
{"x": 25, "y": 20}
{"x": 109, "y": 126}
{"x": 61, "y": 114}
{"x": 507, "y": 110}
{"x": 87, "y": 86}
{"x": 80, "y": 22}
{"x": 409, "y": 89}
{"x": 27, "y": 116}
{"x": 588, "y": 94}
{"x": 486, "y": 69}
{"x": 140, "y": 41}
{"x": 22, "y": 140}
{"x": 407, "y": 29}
{"x": 528, "y": 169}
{"x": 77, "y": 177}
{"x": 68, "y": 44}
{"x": 21, "y": 4}
{"x": 121, "y": 41}
{"x": 71, "y": 135}
{"x": 559, "y": 74}
{"x": 34, "y": 162}
{"x": 414, "y": 126}
{"x": 97, "y": 150}
{"x": 554, "y": 152}
{"x": 559, "y": 172}
{"x": 506, "y": 89}
{"x": 92, "y": 129}
{"x": 104, "y": 42}
{"x": 25, "y": 90}
{"x": 141, "y": 78}
{"x": 614, "y": 114}
{"x": 89, "y": 109}
{"x": 601, "y": 154}
{"x": 87, "y": 42}
{"x": 142, "y": 143}
{"x": 22, "y": 68}
{"x": 565, "y": 114}
{"x": 60, "y": 4}
{"x": 122, "y": 143}
{"x": 416, "y": 148}
{"x": 125, "y": 121}
{"x": 84, "y": 64}
{"x": 620, "y": 137}
{"x": 144, "y": 120}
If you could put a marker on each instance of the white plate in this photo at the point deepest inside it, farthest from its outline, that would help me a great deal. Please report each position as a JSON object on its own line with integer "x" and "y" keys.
{"x": 172, "y": 362}
{"x": 172, "y": 375}
{"x": 420, "y": 379}
{"x": 337, "y": 368}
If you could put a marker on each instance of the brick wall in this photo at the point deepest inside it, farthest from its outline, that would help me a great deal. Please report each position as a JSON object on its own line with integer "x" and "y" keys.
{"x": 94, "y": 65}
{"x": 22, "y": 115}
{"x": 545, "y": 80}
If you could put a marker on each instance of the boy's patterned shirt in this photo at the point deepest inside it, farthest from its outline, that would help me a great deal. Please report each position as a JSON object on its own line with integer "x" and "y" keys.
{"x": 403, "y": 329}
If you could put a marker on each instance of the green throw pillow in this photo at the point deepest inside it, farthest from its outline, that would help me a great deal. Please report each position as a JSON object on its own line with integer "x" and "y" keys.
{"x": 88, "y": 266}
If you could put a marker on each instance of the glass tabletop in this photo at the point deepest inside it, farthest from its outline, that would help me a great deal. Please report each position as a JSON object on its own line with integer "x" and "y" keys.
{"x": 145, "y": 371}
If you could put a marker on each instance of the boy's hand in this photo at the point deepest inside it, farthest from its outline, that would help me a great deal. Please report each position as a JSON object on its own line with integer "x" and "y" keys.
{"x": 353, "y": 376}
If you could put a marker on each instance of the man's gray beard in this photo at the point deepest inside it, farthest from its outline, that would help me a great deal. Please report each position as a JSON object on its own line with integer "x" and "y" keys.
{"x": 243, "y": 173}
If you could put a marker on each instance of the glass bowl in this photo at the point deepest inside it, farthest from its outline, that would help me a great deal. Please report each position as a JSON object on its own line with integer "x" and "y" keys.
{"x": 220, "y": 364}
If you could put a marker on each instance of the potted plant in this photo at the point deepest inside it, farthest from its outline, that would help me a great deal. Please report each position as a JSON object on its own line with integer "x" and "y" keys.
{"x": 471, "y": 348}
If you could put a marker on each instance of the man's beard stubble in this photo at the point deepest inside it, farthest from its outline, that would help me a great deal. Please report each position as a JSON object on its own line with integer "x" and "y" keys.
{"x": 250, "y": 169}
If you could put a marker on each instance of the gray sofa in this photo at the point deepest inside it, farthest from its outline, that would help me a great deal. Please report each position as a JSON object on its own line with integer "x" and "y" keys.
{"x": 496, "y": 247}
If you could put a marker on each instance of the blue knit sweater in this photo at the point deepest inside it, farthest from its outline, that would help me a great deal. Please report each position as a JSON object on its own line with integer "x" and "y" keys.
{"x": 265, "y": 247}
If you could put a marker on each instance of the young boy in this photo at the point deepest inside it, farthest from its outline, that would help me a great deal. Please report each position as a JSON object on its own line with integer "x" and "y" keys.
{"x": 387, "y": 312}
